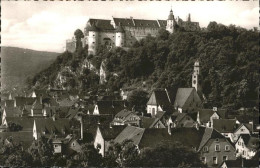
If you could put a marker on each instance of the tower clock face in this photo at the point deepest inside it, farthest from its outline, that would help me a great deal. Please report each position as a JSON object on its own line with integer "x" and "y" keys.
{"x": 194, "y": 81}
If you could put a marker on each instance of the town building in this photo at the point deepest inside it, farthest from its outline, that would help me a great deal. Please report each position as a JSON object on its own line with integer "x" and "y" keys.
{"x": 247, "y": 146}
{"x": 124, "y": 32}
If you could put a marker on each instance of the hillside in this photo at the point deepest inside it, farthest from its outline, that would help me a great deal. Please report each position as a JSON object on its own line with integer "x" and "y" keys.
{"x": 228, "y": 57}
{"x": 17, "y": 64}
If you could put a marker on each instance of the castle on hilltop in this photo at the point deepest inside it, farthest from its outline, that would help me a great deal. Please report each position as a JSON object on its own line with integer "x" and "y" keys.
{"x": 124, "y": 32}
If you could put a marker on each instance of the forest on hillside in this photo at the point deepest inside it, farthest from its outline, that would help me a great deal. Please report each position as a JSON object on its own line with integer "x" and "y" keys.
{"x": 228, "y": 57}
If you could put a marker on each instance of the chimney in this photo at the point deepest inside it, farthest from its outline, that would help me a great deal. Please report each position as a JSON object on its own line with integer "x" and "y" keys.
{"x": 14, "y": 102}
{"x": 81, "y": 128}
{"x": 169, "y": 129}
{"x": 252, "y": 124}
{"x": 197, "y": 126}
{"x": 215, "y": 109}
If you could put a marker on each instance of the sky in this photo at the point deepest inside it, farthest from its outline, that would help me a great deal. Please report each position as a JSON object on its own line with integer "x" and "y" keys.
{"x": 45, "y": 26}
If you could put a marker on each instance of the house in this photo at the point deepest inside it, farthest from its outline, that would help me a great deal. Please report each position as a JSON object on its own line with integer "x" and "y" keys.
{"x": 181, "y": 120}
{"x": 132, "y": 133}
{"x": 104, "y": 136}
{"x": 109, "y": 107}
{"x": 10, "y": 112}
{"x": 240, "y": 163}
{"x": 151, "y": 122}
{"x": 48, "y": 127}
{"x": 225, "y": 126}
{"x": 57, "y": 145}
{"x": 124, "y": 94}
{"x": 247, "y": 146}
{"x": 214, "y": 148}
{"x": 243, "y": 128}
{"x": 205, "y": 116}
{"x": 126, "y": 117}
{"x": 187, "y": 100}
{"x": 158, "y": 101}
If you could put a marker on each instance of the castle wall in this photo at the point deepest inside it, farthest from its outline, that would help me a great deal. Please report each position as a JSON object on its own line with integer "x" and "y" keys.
{"x": 104, "y": 38}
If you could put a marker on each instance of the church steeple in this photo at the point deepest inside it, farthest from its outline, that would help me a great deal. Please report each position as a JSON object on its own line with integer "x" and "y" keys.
{"x": 170, "y": 22}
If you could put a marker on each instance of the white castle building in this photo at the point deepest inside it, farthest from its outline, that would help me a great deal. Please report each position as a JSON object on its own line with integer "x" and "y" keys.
{"x": 124, "y": 32}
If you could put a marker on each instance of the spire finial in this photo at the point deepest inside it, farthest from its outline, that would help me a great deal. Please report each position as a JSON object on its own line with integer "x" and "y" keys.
{"x": 171, "y": 9}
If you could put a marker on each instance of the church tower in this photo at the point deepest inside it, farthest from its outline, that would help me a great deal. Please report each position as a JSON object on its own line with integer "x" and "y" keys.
{"x": 195, "y": 75}
{"x": 170, "y": 22}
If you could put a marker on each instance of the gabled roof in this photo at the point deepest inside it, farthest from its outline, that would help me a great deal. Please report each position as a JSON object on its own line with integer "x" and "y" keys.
{"x": 110, "y": 107}
{"x": 131, "y": 133}
{"x": 124, "y": 22}
{"x": 160, "y": 114}
{"x": 205, "y": 114}
{"x": 110, "y": 133}
{"x": 100, "y": 24}
{"x": 251, "y": 142}
{"x": 162, "y": 23}
{"x": 183, "y": 94}
{"x": 49, "y": 125}
{"x": 21, "y": 101}
{"x": 159, "y": 97}
{"x": 9, "y": 103}
{"x": 37, "y": 105}
{"x": 209, "y": 133}
{"x": 148, "y": 122}
{"x": 26, "y": 123}
{"x": 146, "y": 23}
{"x": 224, "y": 125}
{"x": 190, "y": 137}
{"x": 13, "y": 111}
{"x": 123, "y": 114}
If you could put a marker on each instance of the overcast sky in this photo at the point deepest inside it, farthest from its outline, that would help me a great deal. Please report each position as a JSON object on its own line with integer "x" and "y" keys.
{"x": 46, "y": 25}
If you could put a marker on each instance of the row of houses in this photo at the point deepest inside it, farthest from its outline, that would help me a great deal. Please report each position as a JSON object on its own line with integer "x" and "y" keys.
{"x": 71, "y": 120}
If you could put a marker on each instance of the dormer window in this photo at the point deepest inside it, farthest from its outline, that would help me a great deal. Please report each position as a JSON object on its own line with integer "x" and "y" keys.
{"x": 205, "y": 149}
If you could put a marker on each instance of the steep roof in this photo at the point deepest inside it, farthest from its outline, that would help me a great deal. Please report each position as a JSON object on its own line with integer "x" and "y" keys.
{"x": 110, "y": 107}
{"x": 183, "y": 95}
{"x": 123, "y": 113}
{"x": 72, "y": 113}
{"x": 9, "y": 103}
{"x": 159, "y": 97}
{"x": 131, "y": 133}
{"x": 101, "y": 24}
{"x": 124, "y": 22}
{"x": 205, "y": 114}
{"x": 162, "y": 23}
{"x": 148, "y": 122}
{"x": 189, "y": 137}
{"x": 49, "y": 125}
{"x": 109, "y": 133}
{"x": 146, "y": 23}
{"x": 21, "y": 101}
{"x": 13, "y": 111}
{"x": 66, "y": 102}
{"x": 251, "y": 142}
{"x": 224, "y": 125}
{"x": 209, "y": 133}
{"x": 26, "y": 123}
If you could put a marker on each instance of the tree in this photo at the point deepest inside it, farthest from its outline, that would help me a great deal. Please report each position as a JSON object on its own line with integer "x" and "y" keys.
{"x": 42, "y": 151}
{"x": 138, "y": 99}
{"x": 123, "y": 154}
{"x": 88, "y": 157}
{"x": 169, "y": 155}
{"x": 13, "y": 155}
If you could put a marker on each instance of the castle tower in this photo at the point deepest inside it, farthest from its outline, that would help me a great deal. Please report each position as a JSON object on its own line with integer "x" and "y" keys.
{"x": 170, "y": 22}
{"x": 92, "y": 39}
{"x": 195, "y": 75}
{"x": 120, "y": 36}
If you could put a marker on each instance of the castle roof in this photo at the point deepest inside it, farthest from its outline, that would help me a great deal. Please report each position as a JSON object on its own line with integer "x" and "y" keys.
{"x": 120, "y": 29}
{"x": 99, "y": 24}
{"x": 171, "y": 16}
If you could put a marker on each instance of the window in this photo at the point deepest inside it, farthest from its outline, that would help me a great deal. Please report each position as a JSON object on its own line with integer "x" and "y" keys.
{"x": 217, "y": 148}
{"x": 93, "y": 42}
{"x": 217, "y": 139}
{"x": 225, "y": 158}
{"x": 93, "y": 35}
{"x": 227, "y": 148}
{"x": 244, "y": 153}
{"x": 215, "y": 160}
{"x": 73, "y": 144}
{"x": 203, "y": 159}
{"x": 239, "y": 143}
{"x": 205, "y": 149}
{"x": 55, "y": 145}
